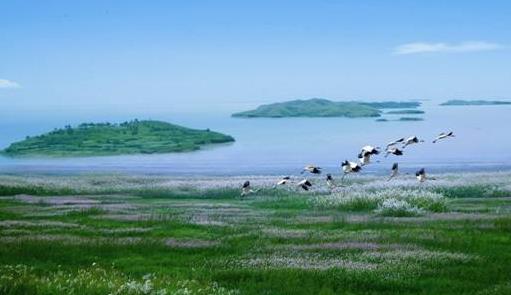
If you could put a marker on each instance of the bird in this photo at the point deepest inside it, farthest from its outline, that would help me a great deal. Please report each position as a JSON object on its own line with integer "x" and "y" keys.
{"x": 246, "y": 189}
{"x": 350, "y": 167}
{"x": 394, "y": 171}
{"x": 284, "y": 180}
{"x": 421, "y": 175}
{"x": 365, "y": 154}
{"x": 443, "y": 135}
{"x": 330, "y": 181}
{"x": 392, "y": 143}
{"x": 364, "y": 157}
{"x": 395, "y": 151}
{"x": 411, "y": 140}
{"x": 305, "y": 184}
{"x": 311, "y": 169}
{"x": 370, "y": 149}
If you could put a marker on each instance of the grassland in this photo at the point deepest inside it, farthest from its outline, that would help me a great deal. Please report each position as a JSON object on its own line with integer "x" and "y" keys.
{"x": 100, "y": 139}
{"x": 121, "y": 234}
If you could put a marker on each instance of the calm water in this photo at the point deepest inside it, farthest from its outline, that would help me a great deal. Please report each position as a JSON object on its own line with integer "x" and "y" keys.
{"x": 283, "y": 146}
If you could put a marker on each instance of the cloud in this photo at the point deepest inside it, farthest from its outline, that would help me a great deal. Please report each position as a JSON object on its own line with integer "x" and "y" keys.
{"x": 4, "y": 83}
{"x": 423, "y": 47}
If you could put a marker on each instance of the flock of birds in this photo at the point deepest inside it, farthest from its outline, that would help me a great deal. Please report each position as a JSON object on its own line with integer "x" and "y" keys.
{"x": 364, "y": 158}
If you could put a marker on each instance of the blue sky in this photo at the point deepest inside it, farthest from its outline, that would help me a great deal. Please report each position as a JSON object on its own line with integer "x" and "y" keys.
{"x": 151, "y": 56}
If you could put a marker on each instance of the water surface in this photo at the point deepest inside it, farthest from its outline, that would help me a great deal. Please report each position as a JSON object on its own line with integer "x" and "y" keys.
{"x": 283, "y": 146}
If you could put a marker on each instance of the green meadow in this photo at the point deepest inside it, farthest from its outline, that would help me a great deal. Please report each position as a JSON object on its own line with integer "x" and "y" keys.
{"x": 129, "y": 234}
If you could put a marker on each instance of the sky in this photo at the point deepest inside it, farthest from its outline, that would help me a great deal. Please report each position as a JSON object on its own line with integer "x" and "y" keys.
{"x": 204, "y": 56}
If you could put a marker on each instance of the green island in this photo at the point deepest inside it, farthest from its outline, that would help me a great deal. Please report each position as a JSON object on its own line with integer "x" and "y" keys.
{"x": 318, "y": 107}
{"x": 459, "y": 102}
{"x": 100, "y": 139}
{"x": 410, "y": 119}
{"x": 405, "y": 112}
{"x": 393, "y": 104}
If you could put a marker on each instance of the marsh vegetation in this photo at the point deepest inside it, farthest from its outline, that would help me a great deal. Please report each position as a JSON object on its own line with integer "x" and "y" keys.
{"x": 127, "y": 234}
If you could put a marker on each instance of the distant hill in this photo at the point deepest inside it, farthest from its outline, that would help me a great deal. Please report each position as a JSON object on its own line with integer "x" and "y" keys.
{"x": 410, "y": 119}
{"x": 134, "y": 137}
{"x": 407, "y": 112}
{"x": 315, "y": 107}
{"x": 393, "y": 104}
{"x": 459, "y": 102}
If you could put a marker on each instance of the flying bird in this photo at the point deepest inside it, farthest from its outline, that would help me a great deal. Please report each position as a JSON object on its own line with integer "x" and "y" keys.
{"x": 330, "y": 181}
{"x": 421, "y": 175}
{"x": 392, "y": 143}
{"x": 350, "y": 167}
{"x": 365, "y": 154}
{"x": 246, "y": 189}
{"x": 443, "y": 135}
{"x": 411, "y": 140}
{"x": 370, "y": 149}
{"x": 283, "y": 181}
{"x": 305, "y": 184}
{"x": 365, "y": 158}
{"x": 394, "y": 171}
{"x": 395, "y": 151}
{"x": 311, "y": 169}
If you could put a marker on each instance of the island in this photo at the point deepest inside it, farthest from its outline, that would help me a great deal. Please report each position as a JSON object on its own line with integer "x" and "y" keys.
{"x": 393, "y": 104}
{"x": 459, "y": 102}
{"x": 405, "y": 112}
{"x": 410, "y": 119}
{"x": 101, "y": 139}
{"x": 319, "y": 107}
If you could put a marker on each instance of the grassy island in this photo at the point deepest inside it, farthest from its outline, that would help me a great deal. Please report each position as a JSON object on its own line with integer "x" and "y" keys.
{"x": 405, "y": 112}
{"x": 99, "y": 139}
{"x": 315, "y": 107}
{"x": 393, "y": 104}
{"x": 318, "y": 107}
{"x": 459, "y": 102}
{"x": 410, "y": 119}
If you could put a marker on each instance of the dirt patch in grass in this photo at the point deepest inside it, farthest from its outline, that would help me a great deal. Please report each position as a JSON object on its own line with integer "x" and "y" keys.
{"x": 38, "y": 223}
{"x": 174, "y": 243}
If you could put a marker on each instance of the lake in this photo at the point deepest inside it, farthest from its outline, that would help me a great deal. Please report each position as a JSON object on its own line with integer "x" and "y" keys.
{"x": 284, "y": 146}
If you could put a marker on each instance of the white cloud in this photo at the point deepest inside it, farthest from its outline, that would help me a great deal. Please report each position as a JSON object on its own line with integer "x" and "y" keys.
{"x": 4, "y": 83}
{"x": 423, "y": 47}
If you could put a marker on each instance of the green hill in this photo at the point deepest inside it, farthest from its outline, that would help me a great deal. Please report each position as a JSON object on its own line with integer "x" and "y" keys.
{"x": 459, "y": 102}
{"x": 134, "y": 137}
{"x": 393, "y": 104}
{"x": 315, "y": 107}
{"x": 405, "y": 112}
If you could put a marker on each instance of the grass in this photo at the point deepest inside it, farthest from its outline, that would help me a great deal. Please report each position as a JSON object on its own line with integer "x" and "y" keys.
{"x": 154, "y": 235}
{"x": 100, "y": 139}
